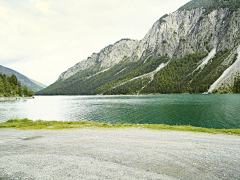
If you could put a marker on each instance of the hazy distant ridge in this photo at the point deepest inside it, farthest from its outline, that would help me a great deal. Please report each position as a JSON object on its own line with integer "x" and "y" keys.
{"x": 31, "y": 84}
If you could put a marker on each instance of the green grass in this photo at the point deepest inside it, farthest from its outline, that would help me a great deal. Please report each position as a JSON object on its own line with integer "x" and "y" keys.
{"x": 58, "y": 125}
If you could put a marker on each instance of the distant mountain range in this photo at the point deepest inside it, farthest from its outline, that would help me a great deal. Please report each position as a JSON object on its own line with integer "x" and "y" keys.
{"x": 31, "y": 84}
{"x": 195, "y": 49}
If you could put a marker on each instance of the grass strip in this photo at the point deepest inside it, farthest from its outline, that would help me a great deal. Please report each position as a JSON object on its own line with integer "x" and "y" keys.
{"x": 26, "y": 124}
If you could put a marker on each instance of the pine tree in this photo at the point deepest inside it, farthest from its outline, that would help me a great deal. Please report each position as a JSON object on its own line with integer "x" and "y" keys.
{"x": 25, "y": 90}
{"x": 31, "y": 93}
{"x": 13, "y": 79}
{"x": 10, "y": 86}
{"x": 20, "y": 91}
{"x": 1, "y": 86}
{"x": 7, "y": 86}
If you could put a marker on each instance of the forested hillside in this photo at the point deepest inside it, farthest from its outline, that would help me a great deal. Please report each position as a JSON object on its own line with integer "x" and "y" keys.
{"x": 10, "y": 86}
{"x": 31, "y": 84}
{"x": 236, "y": 86}
{"x": 88, "y": 82}
{"x": 195, "y": 49}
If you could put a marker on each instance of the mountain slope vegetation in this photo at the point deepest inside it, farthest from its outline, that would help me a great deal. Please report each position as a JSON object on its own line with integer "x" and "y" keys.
{"x": 10, "y": 86}
{"x": 31, "y": 84}
{"x": 195, "y": 49}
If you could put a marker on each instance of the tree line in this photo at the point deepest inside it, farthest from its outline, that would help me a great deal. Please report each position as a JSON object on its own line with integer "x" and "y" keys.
{"x": 236, "y": 85}
{"x": 179, "y": 76}
{"x": 10, "y": 86}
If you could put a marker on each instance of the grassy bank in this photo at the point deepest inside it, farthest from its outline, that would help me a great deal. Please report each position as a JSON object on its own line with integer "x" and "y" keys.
{"x": 58, "y": 125}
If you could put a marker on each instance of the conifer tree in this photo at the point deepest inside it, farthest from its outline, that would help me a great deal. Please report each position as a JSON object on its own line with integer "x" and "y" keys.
{"x": 25, "y": 90}
{"x": 7, "y": 86}
{"x": 1, "y": 85}
{"x": 13, "y": 79}
{"x": 10, "y": 86}
{"x": 20, "y": 91}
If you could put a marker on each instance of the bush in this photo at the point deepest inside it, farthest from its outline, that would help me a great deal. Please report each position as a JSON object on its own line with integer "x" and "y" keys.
{"x": 31, "y": 93}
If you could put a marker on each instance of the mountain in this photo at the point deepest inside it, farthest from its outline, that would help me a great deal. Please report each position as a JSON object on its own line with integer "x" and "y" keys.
{"x": 195, "y": 49}
{"x": 31, "y": 84}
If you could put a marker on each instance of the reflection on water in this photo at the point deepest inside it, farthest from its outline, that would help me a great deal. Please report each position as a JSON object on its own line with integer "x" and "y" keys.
{"x": 212, "y": 111}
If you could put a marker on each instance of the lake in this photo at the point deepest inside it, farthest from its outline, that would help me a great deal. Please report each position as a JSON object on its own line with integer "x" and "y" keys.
{"x": 211, "y": 111}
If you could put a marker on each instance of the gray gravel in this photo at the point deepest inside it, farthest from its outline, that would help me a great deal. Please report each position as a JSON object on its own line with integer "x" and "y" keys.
{"x": 14, "y": 98}
{"x": 117, "y": 154}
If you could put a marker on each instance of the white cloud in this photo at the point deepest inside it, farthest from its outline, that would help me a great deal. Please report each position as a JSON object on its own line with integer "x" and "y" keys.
{"x": 43, "y": 38}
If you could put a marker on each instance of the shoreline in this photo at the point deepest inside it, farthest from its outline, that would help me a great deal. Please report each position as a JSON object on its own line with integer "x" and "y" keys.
{"x": 26, "y": 124}
{"x": 14, "y": 98}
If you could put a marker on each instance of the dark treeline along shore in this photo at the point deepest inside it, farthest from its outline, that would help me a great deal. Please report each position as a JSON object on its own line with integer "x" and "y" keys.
{"x": 11, "y": 87}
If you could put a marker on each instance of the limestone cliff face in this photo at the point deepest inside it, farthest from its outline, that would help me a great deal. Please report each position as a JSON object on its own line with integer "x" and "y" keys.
{"x": 226, "y": 80}
{"x": 167, "y": 34}
{"x": 185, "y": 32}
{"x": 177, "y": 35}
{"x": 107, "y": 57}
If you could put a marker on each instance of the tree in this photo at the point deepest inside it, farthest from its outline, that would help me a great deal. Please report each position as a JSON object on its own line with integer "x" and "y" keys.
{"x": 13, "y": 79}
{"x": 7, "y": 87}
{"x": 31, "y": 93}
{"x": 20, "y": 91}
{"x": 25, "y": 90}
{"x": 10, "y": 86}
{"x": 236, "y": 86}
{"x": 14, "y": 90}
{"x": 1, "y": 85}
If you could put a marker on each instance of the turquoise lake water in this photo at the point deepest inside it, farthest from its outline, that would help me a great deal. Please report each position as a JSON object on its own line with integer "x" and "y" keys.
{"x": 211, "y": 111}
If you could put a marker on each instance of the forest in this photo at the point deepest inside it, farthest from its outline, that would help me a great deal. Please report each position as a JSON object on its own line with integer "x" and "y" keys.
{"x": 179, "y": 76}
{"x": 80, "y": 83}
{"x": 10, "y": 86}
{"x": 236, "y": 86}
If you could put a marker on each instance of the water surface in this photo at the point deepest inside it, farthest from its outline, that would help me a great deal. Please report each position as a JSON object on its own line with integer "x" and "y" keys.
{"x": 211, "y": 111}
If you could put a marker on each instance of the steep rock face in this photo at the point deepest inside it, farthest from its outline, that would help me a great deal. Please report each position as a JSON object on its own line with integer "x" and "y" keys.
{"x": 117, "y": 52}
{"x": 108, "y": 57}
{"x": 199, "y": 48}
{"x": 229, "y": 32}
{"x": 186, "y": 32}
{"x": 166, "y": 33}
{"x": 177, "y": 34}
{"x": 226, "y": 80}
{"x": 85, "y": 64}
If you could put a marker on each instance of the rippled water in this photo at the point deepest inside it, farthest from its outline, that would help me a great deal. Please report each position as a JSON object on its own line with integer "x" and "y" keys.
{"x": 212, "y": 111}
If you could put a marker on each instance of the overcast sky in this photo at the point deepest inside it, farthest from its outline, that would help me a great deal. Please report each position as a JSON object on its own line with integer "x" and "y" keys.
{"x": 43, "y": 38}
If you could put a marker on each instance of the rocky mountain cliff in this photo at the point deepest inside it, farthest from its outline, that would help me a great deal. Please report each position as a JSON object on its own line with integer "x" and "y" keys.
{"x": 192, "y": 50}
{"x": 106, "y": 58}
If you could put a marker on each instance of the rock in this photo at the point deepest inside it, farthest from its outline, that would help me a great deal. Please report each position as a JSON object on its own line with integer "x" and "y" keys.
{"x": 14, "y": 98}
{"x": 107, "y": 57}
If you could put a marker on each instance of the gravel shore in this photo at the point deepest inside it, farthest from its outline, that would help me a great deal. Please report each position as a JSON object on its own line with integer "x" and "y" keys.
{"x": 14, "y": 98}
{"x": 117, "y": 154}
